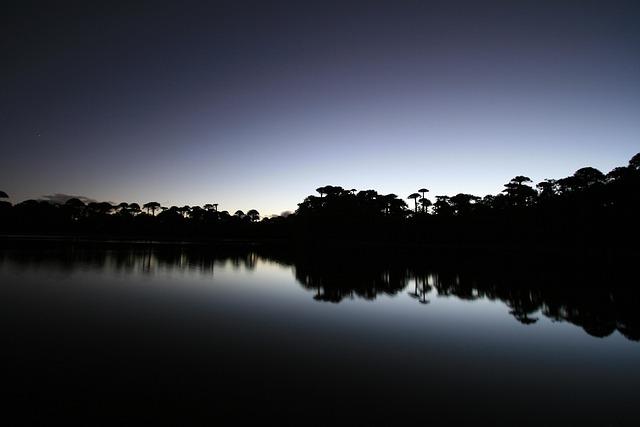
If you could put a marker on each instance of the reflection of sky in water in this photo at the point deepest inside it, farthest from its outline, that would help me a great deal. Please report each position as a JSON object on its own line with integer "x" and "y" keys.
{"x": 446, "y": 347}
{"x": 271, "y": 288}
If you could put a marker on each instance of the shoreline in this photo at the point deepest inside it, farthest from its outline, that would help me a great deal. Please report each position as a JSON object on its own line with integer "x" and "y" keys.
{"x": 523, "y": 249}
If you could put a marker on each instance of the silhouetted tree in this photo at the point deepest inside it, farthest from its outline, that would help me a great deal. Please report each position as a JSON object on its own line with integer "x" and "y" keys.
{"x": 75, "y": 203}
{"x": 415, "y": 197}
{"x": 442, "y": 206}
{"x": 518, "y": 193}
{"x": 620, "y": 173}
{"x": 581, "y": 180}
{"x": 134, "y": 208}
{"x": 334, "y": 190}
{"x": 123, "y": 207}
{"x": 425, "y": 203}
{"x": 104, "y": 208}
{"x": 422, "y": 191}
{"x": 634, "y": 163}
{"x": 75, "y": 208}
{"x": 184, "y": 211}
{"x": 587, "y": 177}
{"x": 253, "y": 215}
{"x": 151, "y": 207}
{"x": 548, "y": 189}
{"x": 462, "y": 203}
{"x": 521, "y": 180}
{"x": 4, "y": 207}
{"x": 196, "y": 213}
{"x": 393, "y": 206}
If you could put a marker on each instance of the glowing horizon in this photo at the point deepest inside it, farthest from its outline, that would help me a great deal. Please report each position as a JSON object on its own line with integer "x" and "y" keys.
{"x": 257, "y": 106}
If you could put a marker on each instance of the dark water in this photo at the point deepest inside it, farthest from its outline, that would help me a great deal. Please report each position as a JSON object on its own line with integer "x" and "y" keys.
{"x": 109, "y": 334}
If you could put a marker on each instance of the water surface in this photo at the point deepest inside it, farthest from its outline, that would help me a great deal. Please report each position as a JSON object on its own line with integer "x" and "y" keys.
{"x": 184, "y": 333}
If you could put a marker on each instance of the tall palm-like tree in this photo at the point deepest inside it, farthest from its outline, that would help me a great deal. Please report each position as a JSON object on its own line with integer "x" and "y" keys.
{"x": 422, "y": 191}
{"x": 415, "y": 197}
{"x": 151, "y": 207}
{"x": 211, "y": 207}
{"x": 424, "y": 204}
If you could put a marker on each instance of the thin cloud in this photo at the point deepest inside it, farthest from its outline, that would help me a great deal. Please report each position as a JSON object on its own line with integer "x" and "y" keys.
{"x": 60, "y": 198}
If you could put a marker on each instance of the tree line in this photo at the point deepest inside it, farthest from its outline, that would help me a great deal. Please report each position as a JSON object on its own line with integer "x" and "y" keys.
{"x": 588, "y": 208}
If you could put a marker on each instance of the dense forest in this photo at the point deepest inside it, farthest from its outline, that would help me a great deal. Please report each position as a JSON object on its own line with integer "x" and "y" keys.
{"x": 588, "y": 209}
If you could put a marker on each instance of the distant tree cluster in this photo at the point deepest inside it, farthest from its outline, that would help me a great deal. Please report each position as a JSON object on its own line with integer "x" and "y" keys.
{"x": 588, "y": 208}
{"x": 586, "y": 185}
{"x": 125, "y": 219}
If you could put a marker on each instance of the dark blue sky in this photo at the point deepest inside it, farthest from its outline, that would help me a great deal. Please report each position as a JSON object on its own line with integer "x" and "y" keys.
{"x": 255, "y": 104}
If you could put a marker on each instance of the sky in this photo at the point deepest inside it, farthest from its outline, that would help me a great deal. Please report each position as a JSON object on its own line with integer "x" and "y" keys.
{"x": 256, "y": 104}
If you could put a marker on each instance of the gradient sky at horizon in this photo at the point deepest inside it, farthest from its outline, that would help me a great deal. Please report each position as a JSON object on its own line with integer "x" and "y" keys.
{"x": 256, "y": 104}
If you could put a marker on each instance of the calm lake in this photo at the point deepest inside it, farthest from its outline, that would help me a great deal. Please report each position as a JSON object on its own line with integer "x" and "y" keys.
{"x": 108, "y": 333}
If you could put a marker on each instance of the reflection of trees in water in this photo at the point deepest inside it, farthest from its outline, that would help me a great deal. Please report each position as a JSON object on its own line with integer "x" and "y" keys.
{"x": 561, "y": 295}
{"x": 584, "y": 296}
{"x": 575, "y": 294}
{"x": 523, "y": 302}
{"x": 422, "y": 287}
{"x": 147, "y": 259}
{"x": 337, "y": 279}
